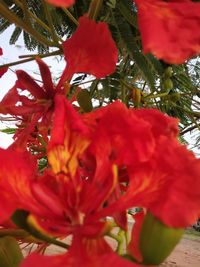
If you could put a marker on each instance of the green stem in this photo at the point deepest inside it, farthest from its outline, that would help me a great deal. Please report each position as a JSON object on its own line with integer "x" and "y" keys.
{"x": 123, "y": 93}
{"x": 17, "y": 233}
{"x": 127, "y": 238}
{"x": 40, "y": 22}
{"x": 25, "y": 10}
{"x": 95, "y": 8}
{"x": 49, "y": 19}
{"x": 130, "y": 87}
{"x": 10, "y": 16}
{"x": 121, "y": 242}
{"x": 93, "y": 88}
{"x": 54, "y": 53}
{"x": 21, "y": 234}
{"x": 157, "y": 95}
{"x": 31, "y": 57}
{"x": 70, "y": 16}
{"x": 54, "y": 242}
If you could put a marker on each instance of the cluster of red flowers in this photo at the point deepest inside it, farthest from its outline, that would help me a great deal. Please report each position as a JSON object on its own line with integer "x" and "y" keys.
{"x": 92, "y": 51}
{"x": 104, "y": 162}
{"x": 101, "y": 164}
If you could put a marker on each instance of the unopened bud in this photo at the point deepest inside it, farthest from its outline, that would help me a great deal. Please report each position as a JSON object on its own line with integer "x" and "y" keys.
{"x": 157, "y": 240}
{"x": 168, "y": 72}
{"x": 168, "y": 84}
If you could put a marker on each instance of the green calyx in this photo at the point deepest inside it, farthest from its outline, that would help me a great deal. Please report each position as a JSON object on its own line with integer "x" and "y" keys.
{"x": 157, "y": 240}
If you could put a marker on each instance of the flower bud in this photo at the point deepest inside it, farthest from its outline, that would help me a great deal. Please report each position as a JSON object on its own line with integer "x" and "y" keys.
{"x": 168, "y": 72}
{"x": 157, "y": 240}
{"x": 167, "y": 84}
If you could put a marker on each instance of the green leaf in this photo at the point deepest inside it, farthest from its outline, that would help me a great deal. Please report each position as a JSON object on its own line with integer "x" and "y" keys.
{"x": 127, "y": 13}
{"x": 84, "y": 100}
{"x": 157, "y": 240}
{"x": 127, "y": 35}
{"x": 156, "y": 64}
{"x": 15, "y": 35}
{"x": 10, "y": 252}
{"x": 8, "y": 130}
{"x": 143, "y": 66}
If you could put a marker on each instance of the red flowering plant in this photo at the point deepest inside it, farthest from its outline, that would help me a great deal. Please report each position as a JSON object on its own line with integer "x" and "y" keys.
{"x": 100, "y": 162}
{"x": 81, "y": 189}
{"x": 81, "y": 54}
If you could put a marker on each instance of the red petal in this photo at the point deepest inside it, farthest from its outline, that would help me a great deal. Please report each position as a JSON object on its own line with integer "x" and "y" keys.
{"x": 161, "y": 124}
{"x": 161, "y": 185}
{"x": 91, "y": 49}
{"x": 68, "y": 137}
{"x": 9, "y": 100}
{"x": 46, "y": 78}
{"x": 66, "y": 121}
{"x": 99, "y": 188}
{"x": 167, "y": 29}
{"x": 48, "y": 199}
{"x": 121, "y": 219}
{"x": 15, "y": 174}
{"x": 2, "y": 70}
{"x": 30, "y": 85}
{"x": 8, "y": 104}
{"x": 61, "y": 3}
{"x": 125, "y": 132}
{"x": 177, "y": 172}
{"x": 133, "y": 246}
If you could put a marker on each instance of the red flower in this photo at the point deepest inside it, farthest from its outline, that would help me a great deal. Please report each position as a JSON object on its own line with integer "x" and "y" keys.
{"x": 76, "y": 176}
{"x": 61, "y": 205}
{"x": 91, "y": 50}
{"x": 81, "y": 186}
{"x": 57, "y": 200}
{"x": 61, "y": 3}
{"x": 161, "y": 185}
{"x": 91, "y": 146}
{"x": 96, "y": 55}
{"x": 2, "y": 70}
{"x": 160, "y": 181}
{"x": 34, "y": 111}
{"x": 168, "y": 27}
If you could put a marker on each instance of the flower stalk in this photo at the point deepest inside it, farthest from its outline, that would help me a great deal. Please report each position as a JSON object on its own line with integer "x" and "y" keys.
{"x": 94, "y": 9}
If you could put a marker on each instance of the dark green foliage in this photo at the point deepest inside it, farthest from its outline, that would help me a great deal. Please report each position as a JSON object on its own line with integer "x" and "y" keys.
{"x": 15, "y": 35}
{"x": 4, "y": 24}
